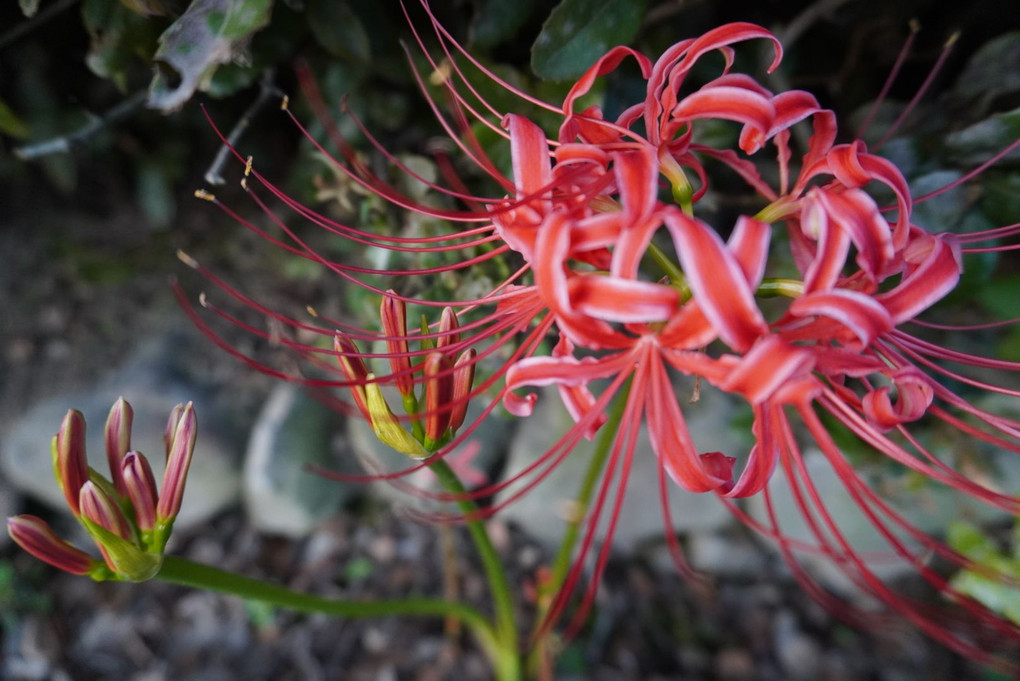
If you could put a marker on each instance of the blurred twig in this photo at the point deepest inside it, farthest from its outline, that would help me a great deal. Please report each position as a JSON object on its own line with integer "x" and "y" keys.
{"x": 803, "y": 21}
{"x": 35, "y": 22}
{"x": 267, "y": 91}
{"x": 63, "y": 143}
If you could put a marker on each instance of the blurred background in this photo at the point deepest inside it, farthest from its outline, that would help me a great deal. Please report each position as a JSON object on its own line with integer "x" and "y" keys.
{"x": 104, "y": 138}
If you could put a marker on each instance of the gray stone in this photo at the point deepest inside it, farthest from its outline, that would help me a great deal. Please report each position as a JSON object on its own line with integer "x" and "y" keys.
{"x": 282, "y": 495}
{"x": 543, "y": 510}
{"x": 800, "y": 655}
{"x": 9, "y": 503}
{"x": 725, "y": 555}
{"x": 153, "y": 386}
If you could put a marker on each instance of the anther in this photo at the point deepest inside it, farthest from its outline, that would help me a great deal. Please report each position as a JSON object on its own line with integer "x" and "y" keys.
{"x": 187, "y": 259}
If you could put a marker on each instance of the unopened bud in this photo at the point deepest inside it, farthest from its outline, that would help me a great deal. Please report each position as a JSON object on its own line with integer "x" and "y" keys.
{"x": 182, "y": 445}
{"x": 354, "y": 370}
{"x": 118, "y": 440}
{"x": 438, "y": 389}
{"x": 70, "y": 465}
{"x": 463, "y": 380}
{"x": 140, "y": 488}
{"x": 448, "y": 326}
{"x": 171, "y": 427}
{"x": 101, "y": 509}
{"x": 393, "y": 313}
{"x": 36, "y": 537}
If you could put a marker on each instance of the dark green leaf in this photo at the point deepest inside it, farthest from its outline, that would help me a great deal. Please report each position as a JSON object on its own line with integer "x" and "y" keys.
{"x": 497, "y": 21}
{"x": 29, "y": 7}
{"x": 338, "y": 29}
{"x": 1001, "y": 296}
{"x": 978, "y": 142}
{"x": 11, "y": 124}
{"x": 578, "y": 32}
{"x": 989, "y": 74}
{"x": 119, "y": 36}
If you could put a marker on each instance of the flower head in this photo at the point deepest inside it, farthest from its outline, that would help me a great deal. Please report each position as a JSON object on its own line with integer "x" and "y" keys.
{"x": 799, "y": 308}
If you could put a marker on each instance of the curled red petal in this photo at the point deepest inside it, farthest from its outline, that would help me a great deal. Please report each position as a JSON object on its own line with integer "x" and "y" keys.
{"x": 935, "y": 272}
{"x": 860, "y": 314}
{"x": 718, "y": 282}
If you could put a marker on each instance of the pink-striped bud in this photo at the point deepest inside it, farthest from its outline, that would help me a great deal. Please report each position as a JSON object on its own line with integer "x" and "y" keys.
{"x": 393, "y": 313}
{"x": 182, "y": 445}
{"x": 140, "y": 488}
{"x": 171, "y": 428}
{"x": 36, "y": 537}
{"x": 463, "y": 379}
{"x": 100, "y": 508}
{"x": 70, "y": 465}
{"x": 118, "y": 440}
{"x": 354, "y": 370}
{"x": 438, "y": 389}
{"x": 448, "y": 326}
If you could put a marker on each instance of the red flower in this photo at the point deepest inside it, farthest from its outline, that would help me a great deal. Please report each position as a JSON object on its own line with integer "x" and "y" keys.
{"x": 584, "y": 212}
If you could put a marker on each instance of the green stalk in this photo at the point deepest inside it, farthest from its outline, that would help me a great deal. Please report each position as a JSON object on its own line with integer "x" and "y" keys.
{"x": 180, "y": 571}
{"x": 671, "y": 270}
{"x": 507, "y": 662}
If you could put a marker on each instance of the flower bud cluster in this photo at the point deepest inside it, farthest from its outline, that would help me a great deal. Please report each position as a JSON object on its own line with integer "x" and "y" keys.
{"x": 127, "y": 517}
{"x": 434, "y": 382}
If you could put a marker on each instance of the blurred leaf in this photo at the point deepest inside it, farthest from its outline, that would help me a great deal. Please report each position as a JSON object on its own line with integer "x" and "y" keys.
{"x": 1001, "y": 198}
{"x": 498, "y": 20}
{"x": 995, "y": 594}
{"x": 1001, "y": 296}
{"x": 578, "y": 32}
{"x": 29, "y": 7}
{"x": 338, "y": 29}
{"x": 269, "y": 47}
{"x": 10, "y": 124}
{"x": 147, "y": 8}
{"x": 941, "y": 212}
{"x": 208, "y": 34}
{"x": 118, "y": 36}
{"x": 155, "y": 194}
{"x": 61, "y": 171}
{"x": 262, "y": 615}
{"x": 358, "y": 569}
{"x": 982, "y": 140}
{"x": 988, "y": 74}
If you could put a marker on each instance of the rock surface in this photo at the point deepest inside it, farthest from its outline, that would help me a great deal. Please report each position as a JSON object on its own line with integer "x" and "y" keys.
{"x": 282, "y": 494}
{"x": 543, "y": 509}
{"x": 150, "y": 383}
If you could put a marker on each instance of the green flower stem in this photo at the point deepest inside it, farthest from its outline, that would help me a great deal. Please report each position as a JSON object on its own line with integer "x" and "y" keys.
{"x": 671, "y": 270}
{"x": 508, "y": 665}
{"x": 774, "y": 288}
{"x": 177, "y": 570}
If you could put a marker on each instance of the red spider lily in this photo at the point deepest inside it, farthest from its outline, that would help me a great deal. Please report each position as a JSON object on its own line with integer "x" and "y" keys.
{"x": 585, "y": 214}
